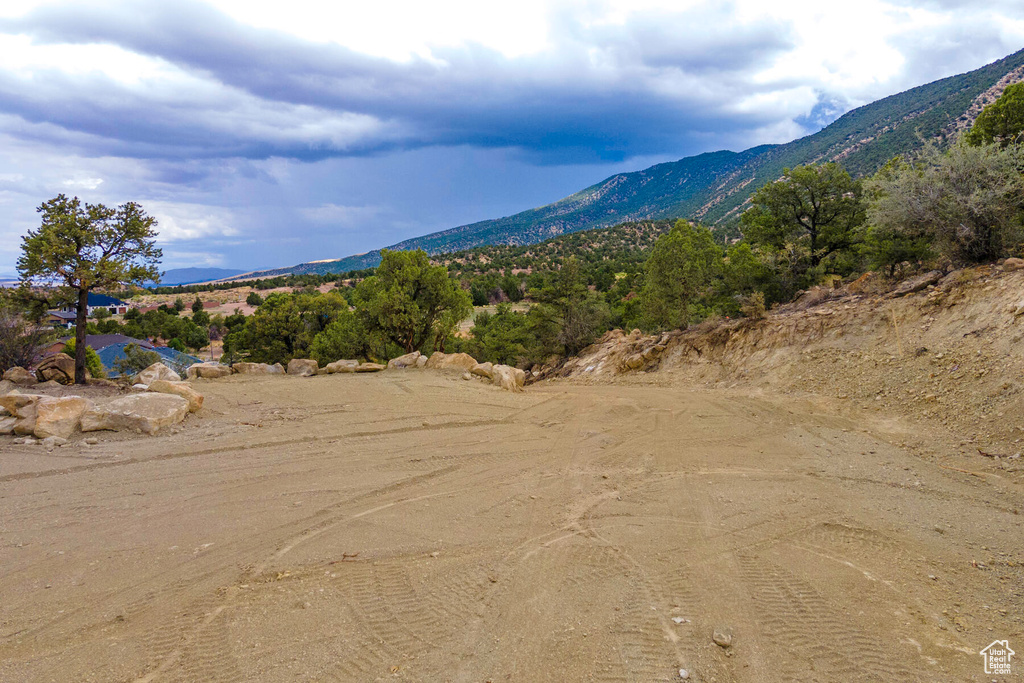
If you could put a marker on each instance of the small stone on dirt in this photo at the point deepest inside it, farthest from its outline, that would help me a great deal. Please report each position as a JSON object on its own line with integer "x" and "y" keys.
{"x": 722, "y": 637}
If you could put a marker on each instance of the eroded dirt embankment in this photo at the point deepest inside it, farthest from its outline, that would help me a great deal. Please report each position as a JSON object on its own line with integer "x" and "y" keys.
{"x": 950, "y": 353}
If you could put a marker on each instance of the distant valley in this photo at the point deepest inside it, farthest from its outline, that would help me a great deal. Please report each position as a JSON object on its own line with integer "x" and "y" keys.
{"x": 188, "y": 276}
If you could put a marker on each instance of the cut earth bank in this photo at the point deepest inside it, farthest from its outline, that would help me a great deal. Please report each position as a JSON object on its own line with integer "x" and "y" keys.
{"x": 410, "y": 525}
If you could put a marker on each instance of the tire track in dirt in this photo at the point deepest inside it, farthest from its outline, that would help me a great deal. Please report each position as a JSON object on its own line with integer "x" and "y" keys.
{"x": 818, "y": 638}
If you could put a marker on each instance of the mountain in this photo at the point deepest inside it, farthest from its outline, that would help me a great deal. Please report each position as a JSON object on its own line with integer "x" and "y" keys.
{"x": 713, "y": 187}
{"x": 188, "y": 276}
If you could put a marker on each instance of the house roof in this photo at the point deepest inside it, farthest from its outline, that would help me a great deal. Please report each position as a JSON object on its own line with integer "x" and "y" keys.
{"x": 63, "y": 315}
{"x": 102, "y": 341}
{"x": 104, "y": 300}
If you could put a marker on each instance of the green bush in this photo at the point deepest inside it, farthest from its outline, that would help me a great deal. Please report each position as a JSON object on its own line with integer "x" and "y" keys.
{"x": 344, "y": 338}
{"x": 682, "y": 264}
{"x": 967, "y": 201}
{"x": 92, "y": 359}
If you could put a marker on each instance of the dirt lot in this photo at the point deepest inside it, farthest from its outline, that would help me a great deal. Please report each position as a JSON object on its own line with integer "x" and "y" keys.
{"x": 413, "y": 526}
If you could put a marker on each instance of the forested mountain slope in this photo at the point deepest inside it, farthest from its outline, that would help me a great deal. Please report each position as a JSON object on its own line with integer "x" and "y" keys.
{"x": 712, "y": 187}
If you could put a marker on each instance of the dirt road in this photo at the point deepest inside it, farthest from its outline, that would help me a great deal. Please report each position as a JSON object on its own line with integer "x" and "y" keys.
{"x": 416, "y": 527}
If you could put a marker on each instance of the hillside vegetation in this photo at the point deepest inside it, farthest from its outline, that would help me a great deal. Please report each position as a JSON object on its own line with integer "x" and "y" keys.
{"x": 713, "y": 187}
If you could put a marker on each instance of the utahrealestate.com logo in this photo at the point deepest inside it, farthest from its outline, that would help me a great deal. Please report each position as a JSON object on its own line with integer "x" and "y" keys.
{"x": 997, "y": 657}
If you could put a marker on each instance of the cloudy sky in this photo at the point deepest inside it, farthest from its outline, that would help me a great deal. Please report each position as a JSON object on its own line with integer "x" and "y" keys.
{"x": 264, "y": 133}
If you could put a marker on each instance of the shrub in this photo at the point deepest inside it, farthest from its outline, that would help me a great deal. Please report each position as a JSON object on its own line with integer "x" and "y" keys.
{"x": 92, "y": 359}
{"x": 343, "y": 338}
{"x": 968, "y": 201}
{"x": 21, "y": 340}
{"x": 753, "y": 306}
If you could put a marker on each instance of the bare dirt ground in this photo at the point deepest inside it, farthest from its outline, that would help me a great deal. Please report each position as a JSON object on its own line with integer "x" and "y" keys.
{"x": 411, "y": 526}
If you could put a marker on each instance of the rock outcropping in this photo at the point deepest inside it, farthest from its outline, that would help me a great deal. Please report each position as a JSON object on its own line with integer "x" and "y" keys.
{"x": 208, "y": 371}
{"x": 147, "y": 413}
{"x": 183, "y": 389}
{"x": 302, "y": 367}
{"x": 157, "y": 371}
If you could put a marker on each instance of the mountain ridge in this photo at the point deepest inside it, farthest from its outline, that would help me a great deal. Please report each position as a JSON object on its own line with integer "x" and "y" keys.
{"x": 712, "y": 187}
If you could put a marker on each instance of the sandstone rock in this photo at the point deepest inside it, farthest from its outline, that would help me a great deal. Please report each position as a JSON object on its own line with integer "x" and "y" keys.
{"x": 59, "y": 367}
{"x": 6, "y": 386}
{"x": 450, "y": 361}
{"x": 20, "y": 376}
{"x": 916, "y": 284}
{"x": 508, "y": 378}
{"x": 7, "y": 424}
{"x": 157, "y": 371}
{"x": 302, "y": 367}
{"x": 208, "y": 370}
{"x": 1012, "y": 264}
{"x": 370, "y": 367}
{"x": 147, "y": 413}
{"x": 183, "y": 389}
{"x": 482, "y": 370}
{"x": 409, "y": 360}
{"x": 341, "y": 366}
{"x": 466, "y": 376}
{"x": 421, "y": 362}
{"x": 258, "y": 369}
{"x": 59, "y": 417}
{"x": 23, "y": 408}
{"x": 140, "y": 387}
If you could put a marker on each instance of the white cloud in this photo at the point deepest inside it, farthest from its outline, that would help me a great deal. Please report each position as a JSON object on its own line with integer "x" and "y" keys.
{"x": 178, "y": 222}
{"x": 83, "y": 183}
{"x": 191, "y": 259}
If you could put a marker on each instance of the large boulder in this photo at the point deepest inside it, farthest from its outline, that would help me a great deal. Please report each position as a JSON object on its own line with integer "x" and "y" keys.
{"x": 183, "y": 389}
{"x": 409, "y": 360}
{"x": 23, "y": 408}
{"x": 341, "y": 366}
{"x": 149, "y": 413}
{"x": 370, "y": 367}
{"x": 157, "y": 371}
{"x": 7, "y": 423}
{"x": 508, "y": 378}
{"x": 59, "y": 416}
{"x": 59, "y": 368}
{"x": 208, "y": 370}
{"x": 303, "y": 367}
{"x": 482, "y": 370}
{"x": 19, "y": 375}
{"x": 258, "y": 369}
{"x": 460, "y": 362}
